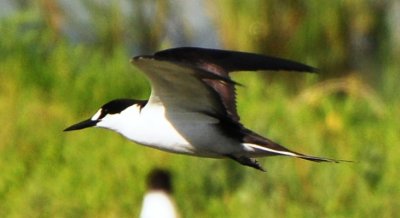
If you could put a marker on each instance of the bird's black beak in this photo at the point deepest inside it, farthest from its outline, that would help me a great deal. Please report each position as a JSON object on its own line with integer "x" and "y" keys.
{"x": 81, "y": 125}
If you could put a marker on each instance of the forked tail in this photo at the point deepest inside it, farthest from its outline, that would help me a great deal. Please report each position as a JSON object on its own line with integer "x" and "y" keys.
{"x": 276, "y": 149}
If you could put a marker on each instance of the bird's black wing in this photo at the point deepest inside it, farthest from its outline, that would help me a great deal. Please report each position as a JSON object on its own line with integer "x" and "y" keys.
{"x": 197, "y": 80}
{"x": 221, "y": 63}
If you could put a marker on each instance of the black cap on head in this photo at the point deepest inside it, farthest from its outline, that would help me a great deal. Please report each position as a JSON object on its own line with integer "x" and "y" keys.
{"x": 118, "y": 105}
{"x": 159, "y": 179}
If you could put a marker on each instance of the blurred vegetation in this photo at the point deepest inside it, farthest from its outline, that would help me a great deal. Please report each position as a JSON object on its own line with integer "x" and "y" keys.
{"x": 60, "y": 63}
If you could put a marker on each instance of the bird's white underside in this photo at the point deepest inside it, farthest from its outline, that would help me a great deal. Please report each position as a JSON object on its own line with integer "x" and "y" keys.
{"x": 182, "y": 132}
{"x": 158, "y": 204}
{"x": 190, "y": 133}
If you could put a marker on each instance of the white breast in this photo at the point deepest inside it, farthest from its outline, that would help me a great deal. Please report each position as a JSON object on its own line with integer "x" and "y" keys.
{"x": 157, "y": 204}
{"x": 179, "y": 132}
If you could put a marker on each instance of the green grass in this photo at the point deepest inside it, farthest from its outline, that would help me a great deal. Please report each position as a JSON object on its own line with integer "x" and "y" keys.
{"x": 47, "y": 85}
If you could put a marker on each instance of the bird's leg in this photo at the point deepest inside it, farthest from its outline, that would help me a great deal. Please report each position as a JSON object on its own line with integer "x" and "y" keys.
{"x": 247, "y": 161}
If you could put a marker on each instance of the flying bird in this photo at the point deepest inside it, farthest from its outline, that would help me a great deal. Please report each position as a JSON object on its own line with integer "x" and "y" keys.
{"x": 192, "y": 106}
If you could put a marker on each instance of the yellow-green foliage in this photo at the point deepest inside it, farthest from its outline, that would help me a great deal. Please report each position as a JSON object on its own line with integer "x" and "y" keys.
{"x": 47, "y": 84}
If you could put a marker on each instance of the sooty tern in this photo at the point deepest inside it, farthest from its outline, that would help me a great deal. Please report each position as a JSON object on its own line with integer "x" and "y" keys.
{"x": 158, "y": 200}
{"x": 192, "y": 106}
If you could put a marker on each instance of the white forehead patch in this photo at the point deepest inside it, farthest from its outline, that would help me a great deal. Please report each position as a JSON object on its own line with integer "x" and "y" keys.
{"x": 96, "y": 115}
